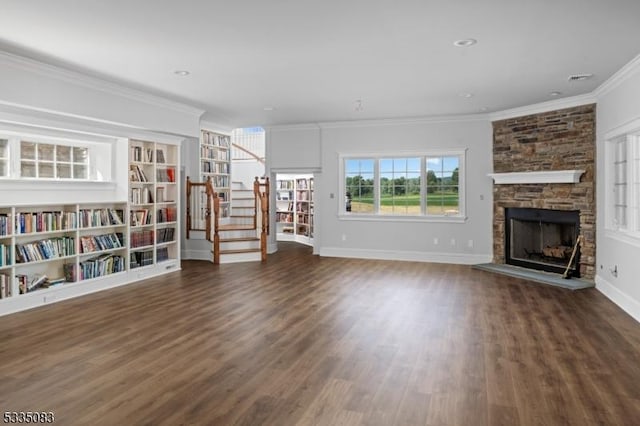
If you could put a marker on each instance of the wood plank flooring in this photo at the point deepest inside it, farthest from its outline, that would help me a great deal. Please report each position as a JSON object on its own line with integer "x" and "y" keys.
{"x": 304, "y": 340}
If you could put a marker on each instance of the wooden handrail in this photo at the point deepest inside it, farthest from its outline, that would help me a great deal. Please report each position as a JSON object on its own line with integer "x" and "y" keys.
{"x": 246, "y": 151}
{"x": 261, "y": 193}
{"x": 213, "y": 207}
{"x": 191, "y": 193}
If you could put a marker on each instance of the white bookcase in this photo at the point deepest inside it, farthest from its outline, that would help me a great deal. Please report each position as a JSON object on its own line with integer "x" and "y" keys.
{"x": 294, "y": 208}
{"x": 215, "y": 163}
{"x": 154, "y": 204}
{"x": 50, "y": 252}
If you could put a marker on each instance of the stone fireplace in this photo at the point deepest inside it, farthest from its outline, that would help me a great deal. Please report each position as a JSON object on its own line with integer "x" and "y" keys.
{"x": 549, "y": 162}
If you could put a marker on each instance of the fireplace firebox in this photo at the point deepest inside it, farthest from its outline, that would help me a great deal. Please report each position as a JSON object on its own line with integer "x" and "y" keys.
{"x": 542, "y": 239}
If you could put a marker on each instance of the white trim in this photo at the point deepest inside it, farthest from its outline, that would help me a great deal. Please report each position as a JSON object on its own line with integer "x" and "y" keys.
{"x": 627, "y": 71}
{"x": 409, "y": 256}
{"x": 631, "y": 126}
{"x": 286, "y": 127}
{"x": 85, "y": 80}
{"x": 623, "y": 300}
{"x": 191, "y": 254}
{"x": 404, "y": 121}
{"x": 210, "y": 126}
{"x": 379, "y": 122}
{"x": 543, "y": 107}
{"x": 554, "y": 176}
{"x": 58, "y": 185}
{"x": 363, "y": 217}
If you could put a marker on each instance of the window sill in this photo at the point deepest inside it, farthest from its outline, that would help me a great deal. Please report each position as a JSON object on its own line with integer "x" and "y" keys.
{"x": 56, "y": 184}
{"x": 624, "y": 236}
{"x": 392, "y": 218}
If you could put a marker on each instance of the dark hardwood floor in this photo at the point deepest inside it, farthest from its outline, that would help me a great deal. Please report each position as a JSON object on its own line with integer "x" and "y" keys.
{"x": 309, "y": 340}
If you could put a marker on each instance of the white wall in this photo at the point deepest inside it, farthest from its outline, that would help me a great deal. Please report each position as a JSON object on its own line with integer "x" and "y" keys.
{"x": 40, "y": 87}
{"x": 618, "y": 104}
{"x": 385, "y": 239}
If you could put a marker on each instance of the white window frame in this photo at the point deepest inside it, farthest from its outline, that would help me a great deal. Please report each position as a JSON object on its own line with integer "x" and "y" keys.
{"x": 98, "y": 149}
{"x": 423, "y": 216}
{"x": 622, "y": 190}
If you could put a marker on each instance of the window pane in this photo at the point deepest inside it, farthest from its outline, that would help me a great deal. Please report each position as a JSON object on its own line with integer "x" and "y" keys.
{"x": 28, "y": 150}
{"x": 4, "y": 156}
{"x": 80, "y": 171}
{"x": 45, "y": 170}
{"x": 28, "y": 169}
{"x": 80, "y": 155}
{"x": 45, "y": 152}
{"x": 442, "y": 186}
{"x": 400, "y": 186}
{"x": 359, "y": 186}
{"x": 63, "y": 171}
{"x": 63, "y": 153}
{"x": 4, "y": 148}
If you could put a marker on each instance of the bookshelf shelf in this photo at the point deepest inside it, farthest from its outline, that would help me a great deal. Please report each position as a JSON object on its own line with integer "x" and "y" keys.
{"x": 294, "y": 208}
{"x": 215, "y": 164}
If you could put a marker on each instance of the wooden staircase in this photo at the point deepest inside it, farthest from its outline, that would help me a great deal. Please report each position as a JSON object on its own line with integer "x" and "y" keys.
{"x": 242, "y": 238}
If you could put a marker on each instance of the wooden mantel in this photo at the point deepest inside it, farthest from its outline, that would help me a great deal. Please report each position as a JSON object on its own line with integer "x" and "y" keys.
{"x": 555, "y": 176}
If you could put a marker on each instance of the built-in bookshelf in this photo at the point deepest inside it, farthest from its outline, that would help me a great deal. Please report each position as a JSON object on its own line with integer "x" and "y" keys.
{"x": 43, "y": 247}
{"x": 215, "y": 163}
{"x": 294, "y": 208}
{"x": 153, "y": 204}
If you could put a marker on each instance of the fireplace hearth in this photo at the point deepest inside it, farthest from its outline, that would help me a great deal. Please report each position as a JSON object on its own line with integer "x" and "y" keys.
{"x": 542, "y": 239}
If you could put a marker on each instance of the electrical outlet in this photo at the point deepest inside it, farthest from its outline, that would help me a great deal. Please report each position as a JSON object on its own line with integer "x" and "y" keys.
{"x": 435, "y": 241}
{"x": 453, "y": 241}
{"x": 344, "y": 237}
{"x": 470, "y": 243}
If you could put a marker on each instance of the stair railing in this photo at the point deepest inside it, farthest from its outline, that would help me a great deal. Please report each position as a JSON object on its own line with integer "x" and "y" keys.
{"x": 213, "y": 216}
{"x": 261, "y": 221}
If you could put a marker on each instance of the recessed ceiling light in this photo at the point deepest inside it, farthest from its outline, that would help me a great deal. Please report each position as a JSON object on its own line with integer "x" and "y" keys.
{"x": 555, "y": 93}
{"x": 579, "y": 77}
{"x": 182, "y": 73}
{"x": 465, "y": 42}
{"x": 465, "y": 95}
{"x": 483, "y": 109}
{"x": 268, "y": 108}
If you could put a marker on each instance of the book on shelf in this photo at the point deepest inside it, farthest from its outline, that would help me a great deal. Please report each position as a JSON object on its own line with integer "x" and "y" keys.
{"x": 160, "y": 156}
{"x": 5, "y": 224}
{"x": 5, "y": 286}
{"x": 160, "y": 195}
{"x": 45, "y": 249}
{"x": 136, "y": 174}
{"x": 165, "y": 235}
{"x": 101, "y": 217}
{"x": 136, "y": 154}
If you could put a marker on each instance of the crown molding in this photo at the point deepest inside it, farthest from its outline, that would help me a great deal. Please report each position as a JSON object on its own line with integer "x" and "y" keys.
{"x": 215, "y": 127}
{"x": 627, "y": 71}
{"x": 286, "y": 127}
{"x": 95, "y": 83}
{"x": 403, "y": 121}
{"x": 380, "y": 122}
{"x": 542, "y": 107}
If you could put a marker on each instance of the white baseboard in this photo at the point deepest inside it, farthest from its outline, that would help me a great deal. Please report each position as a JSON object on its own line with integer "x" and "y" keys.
{"x": 623, "y": 300}
{"x": 196, "y": 255}
{"x": 411, "y": 256}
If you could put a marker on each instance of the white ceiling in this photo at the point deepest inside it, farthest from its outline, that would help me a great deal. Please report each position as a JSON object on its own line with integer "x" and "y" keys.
{"x": 312, "y": 60}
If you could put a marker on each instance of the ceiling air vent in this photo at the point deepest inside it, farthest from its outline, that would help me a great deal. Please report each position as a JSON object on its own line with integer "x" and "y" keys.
{"x": 579, "y": 77}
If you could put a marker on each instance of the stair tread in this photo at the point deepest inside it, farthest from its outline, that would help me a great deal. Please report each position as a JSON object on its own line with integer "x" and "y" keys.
{"x": 235, "y": 227}
{"x": 253, "y": 250}
{"x": 232, "y": 240}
